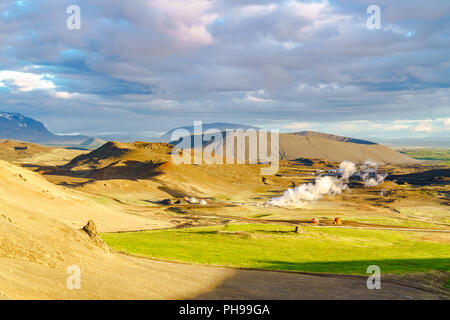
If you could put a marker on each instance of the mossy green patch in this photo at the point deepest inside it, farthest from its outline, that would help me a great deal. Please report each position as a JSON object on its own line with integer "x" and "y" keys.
{"x": 277, "y": 247}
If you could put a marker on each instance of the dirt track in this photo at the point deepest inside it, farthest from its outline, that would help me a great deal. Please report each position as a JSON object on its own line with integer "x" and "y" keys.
{"x": 258, "y": 284}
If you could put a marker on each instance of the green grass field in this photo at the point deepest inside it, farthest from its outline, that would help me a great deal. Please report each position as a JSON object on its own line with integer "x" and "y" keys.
{"x": 276, "y": 247}
{"x": 440, "y": 155}
{"x": 389, "y": 221}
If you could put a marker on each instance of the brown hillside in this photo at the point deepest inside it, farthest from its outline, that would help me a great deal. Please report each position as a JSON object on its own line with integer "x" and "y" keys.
{"x": 331, "y": 137}
{"x": 41, "y": 237}
{"x": 315, "y": 145}
{"x": 115, "y": 160}
{"x": 113, "y": 151}
{"x": 143, "y": 166}
{"x": 12, "y": 150}
{"x": 335, "y": 148}
{"x": 46, "y": 199}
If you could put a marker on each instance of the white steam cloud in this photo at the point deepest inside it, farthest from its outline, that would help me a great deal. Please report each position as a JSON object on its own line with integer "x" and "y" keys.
{"x": 329, "y": 185}
{"x": 373, "y": 182}
{"x": 348, "y": 169}
{"x": 309, "y": 192}
{"x": 370, "y": 176}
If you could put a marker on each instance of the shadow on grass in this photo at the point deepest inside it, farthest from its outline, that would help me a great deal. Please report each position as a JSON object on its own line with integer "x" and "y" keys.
{"x": 254, "y": 284}
{"x": 360, "y": 266}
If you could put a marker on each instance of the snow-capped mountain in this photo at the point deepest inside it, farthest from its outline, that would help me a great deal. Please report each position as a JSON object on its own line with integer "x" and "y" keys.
{"x": 18, "y": 127}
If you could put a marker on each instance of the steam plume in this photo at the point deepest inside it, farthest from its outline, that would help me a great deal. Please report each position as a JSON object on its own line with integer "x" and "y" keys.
{"x": 348, "y": 169}
{"x": 309, "y": 192}
{"x": 370, "y": 176}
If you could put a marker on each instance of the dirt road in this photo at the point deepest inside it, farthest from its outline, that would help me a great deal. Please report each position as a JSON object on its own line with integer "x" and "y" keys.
{"x": 257, "y": 284}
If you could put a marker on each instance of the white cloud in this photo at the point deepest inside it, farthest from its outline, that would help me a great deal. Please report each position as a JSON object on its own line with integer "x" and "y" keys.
{"x": 312, "y": 10}
{"x": 252, "y": 98}
{"x": 447, "y": 124}
{"x": 423, "y": 126}
{"x": 399, "y": 127}
{"x": 319, "y": 13}
{"x": 186, "y": 21}
{"x": 393, "y": 127}
{"x": 355, "y": 125}
{"x": 298, "y": 126}
{"x": 25, "y": 81}
{"x": 257, "y": 10}
{"x": 64, "y": 94}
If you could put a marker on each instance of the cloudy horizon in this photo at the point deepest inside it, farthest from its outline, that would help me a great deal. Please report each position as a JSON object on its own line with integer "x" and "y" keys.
{"x": 142, "y": 67}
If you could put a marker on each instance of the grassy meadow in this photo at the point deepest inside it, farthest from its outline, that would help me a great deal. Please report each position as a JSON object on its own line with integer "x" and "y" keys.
{"x": 277, "y": 247}
{"x": 440, "y": 155}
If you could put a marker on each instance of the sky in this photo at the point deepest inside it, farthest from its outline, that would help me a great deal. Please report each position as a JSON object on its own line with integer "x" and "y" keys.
{"x": 142, "y": 67}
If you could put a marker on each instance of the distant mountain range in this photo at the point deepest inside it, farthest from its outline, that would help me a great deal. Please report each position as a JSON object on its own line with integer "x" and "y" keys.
{"x": 431, "y": 142}
{"x": 221, "y": 126}
{"x": 15, "y": 126}
{"x": 18, "y": 127}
